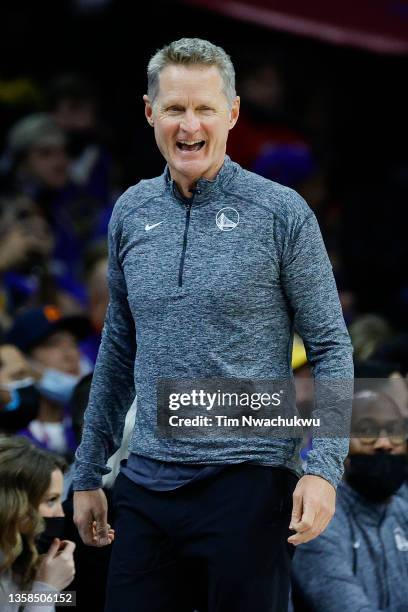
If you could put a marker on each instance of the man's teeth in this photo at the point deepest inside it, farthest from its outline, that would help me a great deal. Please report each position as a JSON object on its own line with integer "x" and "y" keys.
{"x": 190, "y": 145}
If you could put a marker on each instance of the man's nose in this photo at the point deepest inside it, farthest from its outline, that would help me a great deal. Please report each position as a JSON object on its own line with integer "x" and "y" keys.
{"x": 383, "y": 444}
{"x": 190, "y": 122}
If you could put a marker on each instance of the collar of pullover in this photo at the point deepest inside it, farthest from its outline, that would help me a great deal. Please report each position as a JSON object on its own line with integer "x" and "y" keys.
{"x": 205, "y": 188}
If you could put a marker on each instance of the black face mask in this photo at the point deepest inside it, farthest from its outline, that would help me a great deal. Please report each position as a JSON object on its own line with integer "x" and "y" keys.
{"x": 27, "y": 410}
{"x": 376, "y": 477}
{"x": 54, "y": 528}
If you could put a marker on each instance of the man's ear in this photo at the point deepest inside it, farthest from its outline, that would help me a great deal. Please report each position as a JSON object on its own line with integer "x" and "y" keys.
{"x": 234, "y": 112}
{"x": 148, "y": 110}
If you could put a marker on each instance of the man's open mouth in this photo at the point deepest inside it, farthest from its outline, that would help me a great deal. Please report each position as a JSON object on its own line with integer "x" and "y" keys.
{"x": 190, "y": 145}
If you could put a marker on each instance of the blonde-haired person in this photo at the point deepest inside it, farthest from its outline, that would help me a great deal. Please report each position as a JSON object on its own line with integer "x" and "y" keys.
{"x": 31, "y": 481}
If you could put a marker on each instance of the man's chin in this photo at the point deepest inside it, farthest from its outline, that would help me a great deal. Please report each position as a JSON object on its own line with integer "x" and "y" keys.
{"x": 191, "y": 168}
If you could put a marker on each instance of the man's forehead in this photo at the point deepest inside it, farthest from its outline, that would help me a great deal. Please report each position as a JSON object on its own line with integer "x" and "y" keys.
{"x": 179, "y": 80}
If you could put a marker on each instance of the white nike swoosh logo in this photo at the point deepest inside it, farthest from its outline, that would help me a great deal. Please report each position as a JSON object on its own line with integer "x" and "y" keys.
{"x": 149, "y": 227}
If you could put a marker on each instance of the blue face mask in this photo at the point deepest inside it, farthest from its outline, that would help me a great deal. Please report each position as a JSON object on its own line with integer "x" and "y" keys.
{"x": 57, "y": 386}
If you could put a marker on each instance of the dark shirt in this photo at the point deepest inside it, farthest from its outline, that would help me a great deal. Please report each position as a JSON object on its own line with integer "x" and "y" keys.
{"x": 164, "y": 476}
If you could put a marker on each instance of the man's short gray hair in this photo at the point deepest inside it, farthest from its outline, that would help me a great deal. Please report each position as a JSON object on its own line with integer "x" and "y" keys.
{"x": 190, "y": 52}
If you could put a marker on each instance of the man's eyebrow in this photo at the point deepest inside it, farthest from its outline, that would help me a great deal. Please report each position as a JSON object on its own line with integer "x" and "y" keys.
{"x": 166, "y": 104}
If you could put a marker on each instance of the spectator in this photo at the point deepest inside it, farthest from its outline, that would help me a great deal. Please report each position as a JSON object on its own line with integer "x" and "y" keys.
{"x": 360, "y": 562}
{"x": 31, "y": 518}
{"x": 51, "y": 341}
{"x": 39, "y": 168}
{"x": 19, "y": 398}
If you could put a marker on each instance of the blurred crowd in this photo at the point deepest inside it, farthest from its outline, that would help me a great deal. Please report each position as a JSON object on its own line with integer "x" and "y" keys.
{"x": 58, "y": 183}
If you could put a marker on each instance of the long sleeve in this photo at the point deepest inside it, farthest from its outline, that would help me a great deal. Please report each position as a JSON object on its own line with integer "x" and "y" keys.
{"x": 312, "y": 295}
{"x": 323, "y": 576}
{"x": 112, "y": 391}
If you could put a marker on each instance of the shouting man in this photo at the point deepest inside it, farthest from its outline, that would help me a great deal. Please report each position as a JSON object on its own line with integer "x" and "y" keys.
{"x": 211, "y": 268}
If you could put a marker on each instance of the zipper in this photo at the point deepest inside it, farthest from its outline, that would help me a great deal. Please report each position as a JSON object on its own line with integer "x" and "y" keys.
{"x": 183, "y": 252}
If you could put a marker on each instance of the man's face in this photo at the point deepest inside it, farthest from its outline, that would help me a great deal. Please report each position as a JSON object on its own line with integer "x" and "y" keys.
{"x": 381, "y": 426}
{"x": 59, "y": 351}
{"x": 191, "y": 119}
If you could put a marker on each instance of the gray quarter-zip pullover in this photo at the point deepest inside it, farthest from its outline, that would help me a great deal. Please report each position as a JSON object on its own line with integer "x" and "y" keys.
{"x": 211, "y": 288}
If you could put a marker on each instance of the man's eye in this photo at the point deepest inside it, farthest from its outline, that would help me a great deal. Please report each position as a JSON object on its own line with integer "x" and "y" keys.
{"x": 175, "y": 109}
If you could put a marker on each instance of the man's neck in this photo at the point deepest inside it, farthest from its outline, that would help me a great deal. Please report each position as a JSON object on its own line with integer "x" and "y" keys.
{"x": 186, "y": 185}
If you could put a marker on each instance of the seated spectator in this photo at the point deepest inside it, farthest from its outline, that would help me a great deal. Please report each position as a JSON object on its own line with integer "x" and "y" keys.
{"x": 360, "y": 562}
{"x": 39, "y": 169}
{"x": 51, "y": 342}
{"x": 32, "y": 556}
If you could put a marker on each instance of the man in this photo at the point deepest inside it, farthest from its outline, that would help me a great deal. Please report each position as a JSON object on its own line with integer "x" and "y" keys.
{"x": 210, "y": 268}
{"x": 360, "y": 563}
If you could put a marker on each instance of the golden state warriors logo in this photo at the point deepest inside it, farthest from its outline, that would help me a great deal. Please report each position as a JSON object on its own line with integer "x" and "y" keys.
{"x": 227, "y": 219}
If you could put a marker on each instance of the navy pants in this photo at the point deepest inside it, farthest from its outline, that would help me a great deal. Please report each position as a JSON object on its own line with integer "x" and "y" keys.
{"x": 216, "y": 545}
